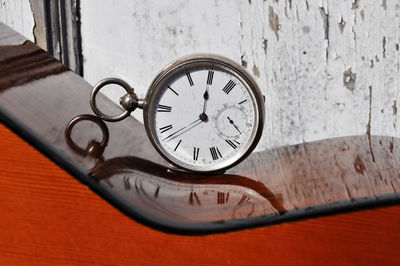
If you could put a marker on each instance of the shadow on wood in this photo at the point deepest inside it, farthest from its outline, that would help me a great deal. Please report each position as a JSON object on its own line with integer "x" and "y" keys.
{"x": 39, "y": 97}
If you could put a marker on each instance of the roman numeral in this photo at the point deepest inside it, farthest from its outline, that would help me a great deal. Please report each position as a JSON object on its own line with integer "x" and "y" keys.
{"x": 190, "y": 79}
{"x": 192, "y": 197}
{"x": 243, "y": 101}
{"x": 166, "y": 128}
{"x": 164, "y": 108}
{"x": 195, "y": 153}
{"x": 221, "y": 199}
{"x": 210, "y": 77}
{"x": 177, "y": 145}
{"x": 127, "y": 184}
{"x": 215, "y": 153}
{"x": 173, "y": 90}
{"x": 229, "y": 86}
{"x": 243, "y": 199}
{"x": 233, "y": 143}
{"x": 156, "y": 192}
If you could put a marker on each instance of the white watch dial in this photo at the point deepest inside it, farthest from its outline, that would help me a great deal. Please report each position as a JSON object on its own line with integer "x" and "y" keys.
{"x": 204, "y": 118}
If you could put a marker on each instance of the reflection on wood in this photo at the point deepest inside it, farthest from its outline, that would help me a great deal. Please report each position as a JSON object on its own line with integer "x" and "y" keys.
{"x": 40, "y": 101}
{"x": 47, "y": 213}
{"x": 24, "y": 63}
{"x": 268, "y": 183}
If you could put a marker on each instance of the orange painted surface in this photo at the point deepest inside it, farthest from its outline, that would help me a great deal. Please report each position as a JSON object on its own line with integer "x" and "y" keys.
{"x": 49, "y": 218}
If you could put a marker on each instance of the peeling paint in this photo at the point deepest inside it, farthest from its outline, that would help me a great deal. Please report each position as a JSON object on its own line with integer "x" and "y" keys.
{"x": 290, "y": 52}
{"x": 35, "y": 28}
{"x": 394, "y": 107}
{"x": 341, "y": 25}
{"x": 244, "y": 62}
{"x": 39, "y": 29}
{"x": 349, "y": 79}
{"x": 306, "y": 29}
{"x": 325, "y": 18}
{"x": 265, "y": 43}
{"x": 384, "y": 4}
{"x": 256, "y": 72}
{"x": 298, "y": 49}
{"x": 368, "y": 127}
{"x": 384, "y": 46}
{"x": 355, "y": 4}
{"x": 274, "y": 22}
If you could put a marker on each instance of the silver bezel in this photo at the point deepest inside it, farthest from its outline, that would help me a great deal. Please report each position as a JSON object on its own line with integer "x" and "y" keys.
{"x": 195, "y": 62}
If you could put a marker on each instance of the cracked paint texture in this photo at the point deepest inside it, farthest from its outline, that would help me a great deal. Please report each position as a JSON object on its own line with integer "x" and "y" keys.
{"x": 327, "y": 68}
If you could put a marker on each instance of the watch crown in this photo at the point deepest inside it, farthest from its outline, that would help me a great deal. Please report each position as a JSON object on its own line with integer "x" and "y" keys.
{"x": 129, "y": 102}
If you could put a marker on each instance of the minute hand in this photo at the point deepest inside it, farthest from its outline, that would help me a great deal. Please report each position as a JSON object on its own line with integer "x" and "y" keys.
{"x": 198, "y": 119}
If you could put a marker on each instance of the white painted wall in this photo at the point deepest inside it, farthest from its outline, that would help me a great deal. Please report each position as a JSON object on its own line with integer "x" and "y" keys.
{"x": 328, "y": 68}
{"x": 18, "y": 15}
{"x": 298, "y": 51}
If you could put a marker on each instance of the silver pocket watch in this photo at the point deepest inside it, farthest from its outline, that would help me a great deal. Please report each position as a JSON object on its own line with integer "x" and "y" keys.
{"x": 202, "y": 113}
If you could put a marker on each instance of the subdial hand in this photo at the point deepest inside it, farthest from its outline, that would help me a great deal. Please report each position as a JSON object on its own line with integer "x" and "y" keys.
{"x": 233, "y": 123}
{"x": 176, "y": 132}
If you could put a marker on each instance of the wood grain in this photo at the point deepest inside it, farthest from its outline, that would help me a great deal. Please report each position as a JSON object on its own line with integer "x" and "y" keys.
{"x": 46, "y": 223}
{"x": 49, "y": 218}
{"x": 39, "y": 96}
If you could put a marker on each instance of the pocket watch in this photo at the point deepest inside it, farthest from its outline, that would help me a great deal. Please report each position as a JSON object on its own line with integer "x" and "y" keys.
{"x": 202, "y": 113}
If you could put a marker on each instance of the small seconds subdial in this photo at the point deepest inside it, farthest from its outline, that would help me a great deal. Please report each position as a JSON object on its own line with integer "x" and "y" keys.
{"x": 231, "y": 122}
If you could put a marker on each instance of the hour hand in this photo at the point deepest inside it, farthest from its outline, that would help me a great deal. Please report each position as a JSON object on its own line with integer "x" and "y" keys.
{"x": 203, "y": 117}
{"x": 205, "y": 95}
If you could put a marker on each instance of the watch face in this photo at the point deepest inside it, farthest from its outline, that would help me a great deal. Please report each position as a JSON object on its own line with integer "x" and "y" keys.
{"x": 204, "y": 113}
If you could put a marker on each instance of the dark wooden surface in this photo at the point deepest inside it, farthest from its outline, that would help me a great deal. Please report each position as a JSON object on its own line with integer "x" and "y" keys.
{"x": 272, "y": 186}
{"x": 49, "y": 218}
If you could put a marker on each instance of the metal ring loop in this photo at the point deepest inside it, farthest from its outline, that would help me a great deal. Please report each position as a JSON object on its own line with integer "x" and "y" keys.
{"x": 99, "y": 122}
{"x": 98, "y": 87}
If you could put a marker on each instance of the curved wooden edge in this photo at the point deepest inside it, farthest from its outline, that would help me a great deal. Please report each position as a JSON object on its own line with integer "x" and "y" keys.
{"x": 38, "y": 107}
{"x": 173, "y": 227}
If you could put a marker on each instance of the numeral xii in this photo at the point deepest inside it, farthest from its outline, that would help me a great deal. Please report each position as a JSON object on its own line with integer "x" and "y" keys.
{"x": 210, "y": 77}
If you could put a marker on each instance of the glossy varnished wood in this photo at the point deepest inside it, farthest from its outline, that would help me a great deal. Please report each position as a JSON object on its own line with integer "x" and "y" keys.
{"x": 49, "y": 218}
{"x": 39, "y": 97}
{"x": 44, "y": 223}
